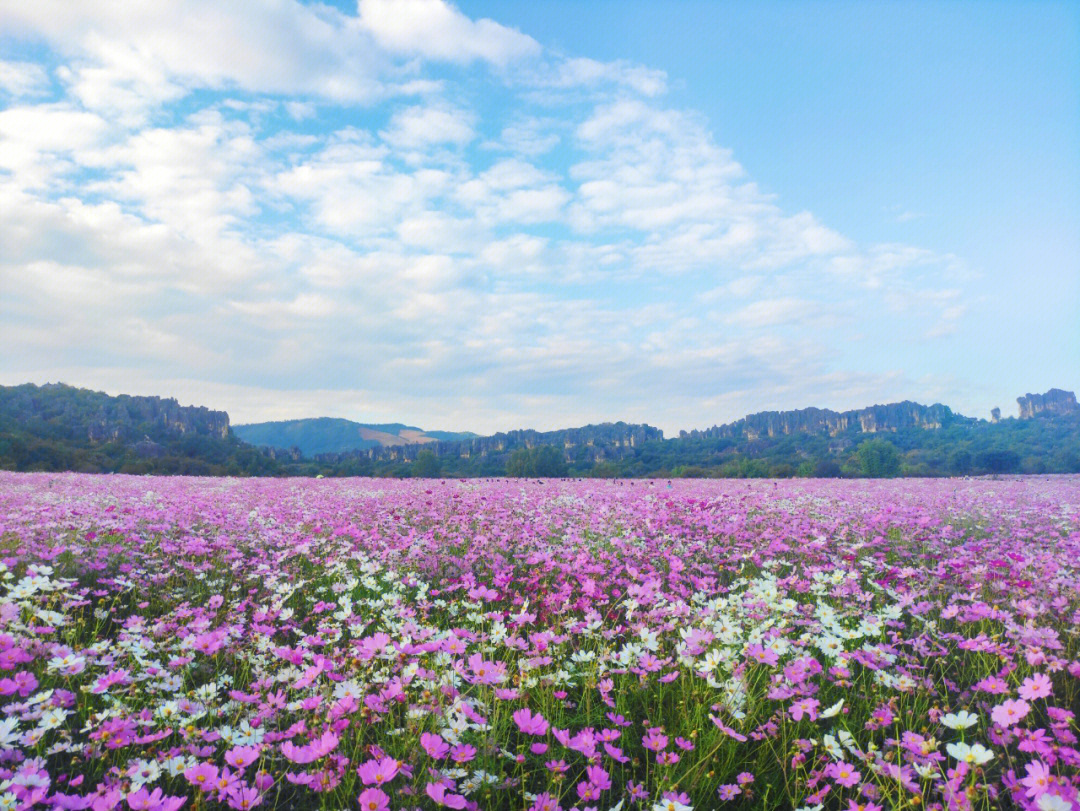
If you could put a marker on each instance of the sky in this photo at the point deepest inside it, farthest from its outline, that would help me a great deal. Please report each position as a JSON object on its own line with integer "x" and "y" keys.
{"x": 497, "y": 215}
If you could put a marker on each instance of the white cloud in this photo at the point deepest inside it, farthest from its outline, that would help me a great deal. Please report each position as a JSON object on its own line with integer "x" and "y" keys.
{"x": 421, "y": 126}
{"x": 19, "y": 79}
{"x": 579, "y": 72}
{"x": 294, "y": 227}
{"x": 434, "y": 29}
{"x": 773, "y": 312}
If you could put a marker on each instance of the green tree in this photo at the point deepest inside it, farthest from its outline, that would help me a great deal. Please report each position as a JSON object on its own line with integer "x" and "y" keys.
{"x": 426, "y": 466}
{"x": 548, "y": 462}
{"x": 519, "y": 464}
{"x": 878, "y": 459}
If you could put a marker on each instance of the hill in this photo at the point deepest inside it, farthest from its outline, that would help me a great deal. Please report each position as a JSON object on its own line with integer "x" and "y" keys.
{"x": 59, "y": 427}
{"x": 322, "y": 435}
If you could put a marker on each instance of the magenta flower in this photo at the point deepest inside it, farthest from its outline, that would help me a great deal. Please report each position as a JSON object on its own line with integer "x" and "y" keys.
{"x": 440, "y": 794}
{"x": 529, "y": 723}
{"x": 143, "y": 800}
{"x": 377, "y": 772}
{"x": 240, "y": 757}
{"x": 462, "y": 753}
{"x": 111, "y": 679}
{"x": 434, "y": 745}
{"x": 729, "y": 791}
{"x": 1038, "y": 778}
{"x": 244, "y": 797}
{"x": 844, "y": 774}
{"x": 1037, "y": 686}
{"x": 655, "y": 740}
{"x": 587, "y": 792}
{"x": 204, "y": 776}
{"x": 1009, "y": 712}
{"x": 373, "y": 799}
{"x": 762, "y": 655}
{"x": 545, "y": 802}
{"x": 319, "y": 748}
{"x": 805, "y": 707}
{"x": 599, "y": 777}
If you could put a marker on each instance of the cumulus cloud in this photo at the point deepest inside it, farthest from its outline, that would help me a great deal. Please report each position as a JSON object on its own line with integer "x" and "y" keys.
{"x": 298, "y": 238}
{"x": 434, "y": 29}
{"x": 18, "y": 79}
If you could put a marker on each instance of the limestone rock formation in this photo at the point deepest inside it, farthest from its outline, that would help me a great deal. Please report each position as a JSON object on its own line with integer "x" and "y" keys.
{"x": 876, "y": 418}
{"x": 94, "y": 415}
{"x": 606, "y": 441}
{"x": 1055, "y": 401}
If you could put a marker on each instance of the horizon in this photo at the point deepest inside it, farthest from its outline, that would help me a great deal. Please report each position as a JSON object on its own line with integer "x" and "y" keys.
{"x": 481, "y": 216}
{"x": 667, "y": 434}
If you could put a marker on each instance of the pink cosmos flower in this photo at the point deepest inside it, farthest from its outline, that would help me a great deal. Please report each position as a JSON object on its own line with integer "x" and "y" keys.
{"x": 729, "y": 791}
{"x": 240, "y": 757}
{"x": 587, "y": 792}
{"x": 655, "y": 740}
{"x": 440, "y": 794}
{"x": 377, "y": 772}
{"x": 731, "y": 733}
{"x": 529, "y": 723}
{"x": 485, "y": 672}
{"x": 805, "y": 707}
{"x": 209, "y": 644}
{"x": 462, "y": 753}
{"x": 434, "y": 745}
{"x": 1009, "y": 712}
{"x": 373, "y": 799}
{"x": 762, "y": 655}
{"x": 545, "y": 802}
{"x": 1037, "y": 686}
{"x": 143, "y": 800}
{"x": 321, "y": 747}
{"x": 226, "y": 782}
{"x": 843, "y": 773}
{"x": 1037, "y": 780}
{"x": 110, "y": 679}
{"x": 992, "y": 684}
{"x": 244, "y": 797}
{"x": 599, "y": 777}
{"x": 203, "y": 776}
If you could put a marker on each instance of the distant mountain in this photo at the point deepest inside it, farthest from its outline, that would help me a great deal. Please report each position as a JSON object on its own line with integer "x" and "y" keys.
{"x": 322, "y": 435}
{"x": 590, "y": 443}
{"x": 56, "y": 409}
{"x": 891, "y": 417}
{"x": 59, "y": 427}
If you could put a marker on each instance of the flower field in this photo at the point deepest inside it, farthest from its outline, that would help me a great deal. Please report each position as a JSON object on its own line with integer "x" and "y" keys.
{"x": 391, "y": 644}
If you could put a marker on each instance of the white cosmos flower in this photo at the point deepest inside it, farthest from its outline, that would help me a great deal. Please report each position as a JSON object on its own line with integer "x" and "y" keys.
{"x": 671, "y": 805}
{"x": 1052, "y": 802}
{"x": 976, "y": 754}
{"x": 833, "y": 710}
{"x": 960, "y": 720}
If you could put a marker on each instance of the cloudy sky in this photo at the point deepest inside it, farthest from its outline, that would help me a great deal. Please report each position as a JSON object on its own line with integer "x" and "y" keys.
{"x": 503, "y": 214}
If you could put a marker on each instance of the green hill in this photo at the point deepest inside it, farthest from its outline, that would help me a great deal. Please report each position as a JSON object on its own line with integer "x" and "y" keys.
{"x": 321, "y": 435}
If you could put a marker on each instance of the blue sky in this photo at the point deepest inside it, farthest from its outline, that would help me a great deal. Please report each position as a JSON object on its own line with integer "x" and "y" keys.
{"x": 494, "y": 215}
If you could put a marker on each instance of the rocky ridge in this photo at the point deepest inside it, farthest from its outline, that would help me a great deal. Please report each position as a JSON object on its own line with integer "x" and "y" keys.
{"x": 1055, "y": 401}
{"x": 874, "y": 419}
